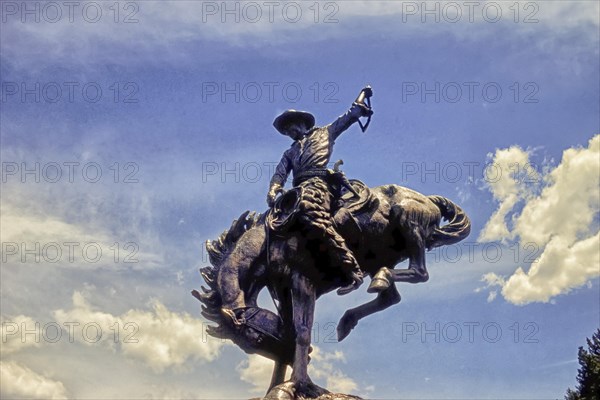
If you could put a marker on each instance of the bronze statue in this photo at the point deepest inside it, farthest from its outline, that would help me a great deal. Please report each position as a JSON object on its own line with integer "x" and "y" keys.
{"x": 288, "y": 250}
{"x": 318, "y": 186}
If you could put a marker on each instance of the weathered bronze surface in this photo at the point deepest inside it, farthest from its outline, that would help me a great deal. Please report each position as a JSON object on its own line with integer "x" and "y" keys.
{"x": 324, "y": 234}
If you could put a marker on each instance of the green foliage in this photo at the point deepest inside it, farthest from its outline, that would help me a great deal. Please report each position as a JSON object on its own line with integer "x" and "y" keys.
{"x": 588, "y": 374}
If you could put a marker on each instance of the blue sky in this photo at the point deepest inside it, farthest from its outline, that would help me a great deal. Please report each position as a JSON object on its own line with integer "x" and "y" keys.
{"x": 190, "y": 159}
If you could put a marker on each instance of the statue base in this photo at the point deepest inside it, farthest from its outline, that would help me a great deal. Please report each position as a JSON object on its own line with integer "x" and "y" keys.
{"x": 286, "y": 391}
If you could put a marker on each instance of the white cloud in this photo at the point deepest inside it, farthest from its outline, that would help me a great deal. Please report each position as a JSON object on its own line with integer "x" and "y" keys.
{"x": 561, "y": 221}
{"x": 256, "y": 370}
{"x": 21, "y": 382}
{"x": 569, "y": 202}
{"x": 159, "y": 338}
{"x": 12, "y": 330}
{"x": 44, "y": 236}
{"x": 322, "y": 367}
{"x": 75, "y": 224}
{"x": 507, "y": 187}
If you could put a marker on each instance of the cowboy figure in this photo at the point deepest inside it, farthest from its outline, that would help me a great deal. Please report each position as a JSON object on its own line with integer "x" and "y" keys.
{"x": 307, "y": 158}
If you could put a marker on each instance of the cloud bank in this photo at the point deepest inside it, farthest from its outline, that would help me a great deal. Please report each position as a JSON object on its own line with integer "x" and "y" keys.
{"x": 19, "y": 381}
{"x": 159, "y": 338}
{"x": 561, "y": 220}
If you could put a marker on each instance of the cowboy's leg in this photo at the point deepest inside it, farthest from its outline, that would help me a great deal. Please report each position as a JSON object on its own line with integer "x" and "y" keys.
{"x": 342, "y": 252}
{"x": 345, "y": 256}
{"x": 316, "y": 206}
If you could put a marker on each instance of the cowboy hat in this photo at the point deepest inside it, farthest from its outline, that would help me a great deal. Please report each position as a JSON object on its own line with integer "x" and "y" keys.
{"x": 290, "y": 116}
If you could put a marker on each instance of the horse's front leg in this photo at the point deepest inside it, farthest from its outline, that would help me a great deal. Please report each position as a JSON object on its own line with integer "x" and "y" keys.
{"x": 303, "y": 304}
{"x": 349, "y": 320}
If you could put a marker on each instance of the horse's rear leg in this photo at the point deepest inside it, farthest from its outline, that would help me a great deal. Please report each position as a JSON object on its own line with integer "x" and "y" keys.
{"x": 417, "y": 270}
{"x": 350, "y": 319}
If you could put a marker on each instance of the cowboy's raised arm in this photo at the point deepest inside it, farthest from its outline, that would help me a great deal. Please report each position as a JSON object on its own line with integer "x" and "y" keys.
{"x": 279, "y": 177}
{"x": 344, "y": 121}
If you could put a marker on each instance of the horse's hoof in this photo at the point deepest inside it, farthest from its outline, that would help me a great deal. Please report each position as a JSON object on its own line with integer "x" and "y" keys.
{"x": 309, "y": 390}
{"x": 381, "y": 281}
{"x": 295, "y": 391}
{"x": 345, "y": 326}
{"x": 378, "y": 285}
{"x": 285, "y": 391}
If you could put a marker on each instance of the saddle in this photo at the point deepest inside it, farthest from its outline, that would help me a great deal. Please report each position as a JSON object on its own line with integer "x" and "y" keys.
{"x": 351, "y": 202}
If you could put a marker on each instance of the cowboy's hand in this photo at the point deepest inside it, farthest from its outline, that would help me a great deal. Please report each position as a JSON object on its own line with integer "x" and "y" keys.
{"x": 361, "y": 110}
{"x": 271, "y": 198}
{"x": 368, "y": 91}
{"x": 272, "y": 195}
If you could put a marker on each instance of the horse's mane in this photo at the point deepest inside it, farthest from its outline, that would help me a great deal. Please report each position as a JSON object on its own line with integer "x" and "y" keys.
{"x": 218, "y": 249}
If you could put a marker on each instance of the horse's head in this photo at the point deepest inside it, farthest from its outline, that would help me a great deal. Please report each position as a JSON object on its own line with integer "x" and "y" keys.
{"x": 224, "y": 276}
{"x": 230, "y": 299}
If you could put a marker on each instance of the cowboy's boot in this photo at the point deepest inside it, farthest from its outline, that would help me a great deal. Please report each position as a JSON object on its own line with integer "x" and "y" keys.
{"x": 356, "y": 275}
{"x": 348, "y": 262}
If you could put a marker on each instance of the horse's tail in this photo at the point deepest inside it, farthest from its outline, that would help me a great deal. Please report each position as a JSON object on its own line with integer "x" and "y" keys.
{"x": 458, "y": 227}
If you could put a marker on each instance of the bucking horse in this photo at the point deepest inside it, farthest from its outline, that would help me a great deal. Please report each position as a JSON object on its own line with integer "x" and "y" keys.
{"x": 383, "y": 226}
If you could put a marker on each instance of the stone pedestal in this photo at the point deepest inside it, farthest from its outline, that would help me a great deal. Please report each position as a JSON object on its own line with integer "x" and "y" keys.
{"x": 286, "y": 391}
